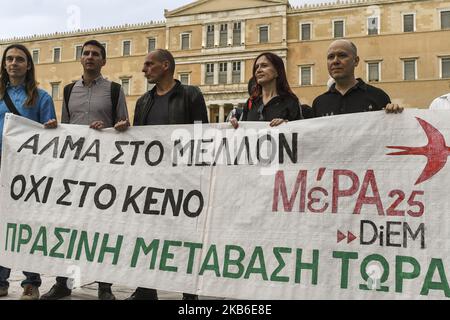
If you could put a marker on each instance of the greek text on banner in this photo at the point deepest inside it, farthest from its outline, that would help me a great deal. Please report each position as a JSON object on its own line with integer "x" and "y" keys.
{"x": 347, "y": 207}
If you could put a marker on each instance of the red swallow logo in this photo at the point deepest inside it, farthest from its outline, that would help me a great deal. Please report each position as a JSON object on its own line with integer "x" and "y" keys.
{"x": 436, "y": 151}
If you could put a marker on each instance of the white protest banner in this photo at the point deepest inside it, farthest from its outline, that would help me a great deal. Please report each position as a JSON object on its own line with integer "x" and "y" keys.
{"x": 346, "y": 207}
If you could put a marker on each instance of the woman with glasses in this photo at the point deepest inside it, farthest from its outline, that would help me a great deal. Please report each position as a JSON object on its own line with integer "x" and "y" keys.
{"x": 271, "y": 99}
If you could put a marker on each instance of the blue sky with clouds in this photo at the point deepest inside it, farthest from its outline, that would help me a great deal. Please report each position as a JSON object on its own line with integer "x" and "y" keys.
{"x": 29, "y": 17}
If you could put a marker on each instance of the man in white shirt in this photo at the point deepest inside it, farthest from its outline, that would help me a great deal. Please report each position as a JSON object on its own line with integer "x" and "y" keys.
{"x": 441, "y": 103}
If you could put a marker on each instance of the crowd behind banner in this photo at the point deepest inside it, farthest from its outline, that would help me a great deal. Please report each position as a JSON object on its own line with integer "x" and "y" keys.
{"x": 99, "y": 103}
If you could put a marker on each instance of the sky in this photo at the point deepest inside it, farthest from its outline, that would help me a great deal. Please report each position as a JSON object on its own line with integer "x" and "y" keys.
{"x": 30, "y": 17}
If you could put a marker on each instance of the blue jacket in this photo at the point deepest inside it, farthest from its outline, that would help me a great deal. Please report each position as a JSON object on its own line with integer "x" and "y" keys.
{"x": 43, "y": 111}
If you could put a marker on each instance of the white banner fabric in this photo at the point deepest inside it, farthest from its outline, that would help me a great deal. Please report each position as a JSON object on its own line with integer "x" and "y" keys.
{"x": 346, "y": 207}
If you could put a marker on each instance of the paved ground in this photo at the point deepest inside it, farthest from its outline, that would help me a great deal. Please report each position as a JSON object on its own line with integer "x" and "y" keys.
{"x": 87, "y": 292}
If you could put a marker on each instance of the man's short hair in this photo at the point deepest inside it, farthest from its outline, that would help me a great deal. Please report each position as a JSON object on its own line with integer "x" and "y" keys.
{"x": 165, "y": 55}
{"x": 97, "y": 44}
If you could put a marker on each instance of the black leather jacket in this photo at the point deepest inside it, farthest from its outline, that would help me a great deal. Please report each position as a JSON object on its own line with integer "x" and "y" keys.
{"x": 186, "y": 106}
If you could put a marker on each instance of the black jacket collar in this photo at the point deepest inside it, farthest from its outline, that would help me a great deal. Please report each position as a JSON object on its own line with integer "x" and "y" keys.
{"x": 175, "y": 90}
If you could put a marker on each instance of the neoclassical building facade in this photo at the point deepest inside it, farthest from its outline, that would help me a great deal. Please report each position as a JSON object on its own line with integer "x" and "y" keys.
{"x": 403, "y": 45}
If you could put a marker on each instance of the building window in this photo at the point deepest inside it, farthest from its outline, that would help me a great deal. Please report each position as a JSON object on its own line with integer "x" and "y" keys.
{"x": 373, "y": 71}
{"x": 263, "y": 34}
{"x": 445, "y": 19}
{"x": 409, "y": 23}
{"x": 305, "y": 31}
{"x": 56, "y": 55}
{"x": 236, "y": 75}
{"x": 78, "y": 52}
{"x": 223, "y": 35}
{"x": 126, "y": 86}
{"x": 445, "y": 67}
{"x": 305, "y": 75}
{"x": 185, "y": 41}
{"x": 209, "y": 76}
{"x": 184, "y": 78}
{"x": 338, "y": 29}
{"x": 126, "y": 49}
{"x": 223, "y": 72}
{"x": 151, "y": 44}
{"x": 237, "y": 33}
{"x": 35, "y": 56}
{"x": 210, "y": 36}
{"x": 55, "y": 91}
{"x": 409, "y": 69}
{"x": 373, "y": 26}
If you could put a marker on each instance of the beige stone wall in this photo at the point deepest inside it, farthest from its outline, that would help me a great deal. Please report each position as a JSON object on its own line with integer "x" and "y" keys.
{"x": 117, "y": 66}
{"x": 194, "y": 70}
{"x": 196, "y": 38}
{"x": 252, "y": 31}
{"x": 113, "y": 41}
{"x": 390, "y": 47}
{"x": 226, "y": 5}
{"x": 355, "y": 17}
{"x": 249, "y": 69}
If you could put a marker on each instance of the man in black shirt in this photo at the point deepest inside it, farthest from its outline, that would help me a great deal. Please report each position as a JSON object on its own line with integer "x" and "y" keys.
{"x": 169, "y": 102}
{"x": 348, "y": 94}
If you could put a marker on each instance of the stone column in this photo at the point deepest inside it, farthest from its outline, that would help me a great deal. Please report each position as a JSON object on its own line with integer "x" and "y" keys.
{"x": 202, "y": 75}
{"x": 204, "y": 35}
{"x": 284, "y": 32}
{"x": 243, "y": 40}
{"x": 216, "y": 73}
{"x": 221, "y": 113}
{"x": 230, "y": 34}
{"x": 216, "y": 35}
{"x": 167, "y": 38}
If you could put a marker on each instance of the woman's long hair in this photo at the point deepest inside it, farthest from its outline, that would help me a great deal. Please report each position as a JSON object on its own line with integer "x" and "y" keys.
{"x": 283, "y": 87}
{"x": 30, "y": 79}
